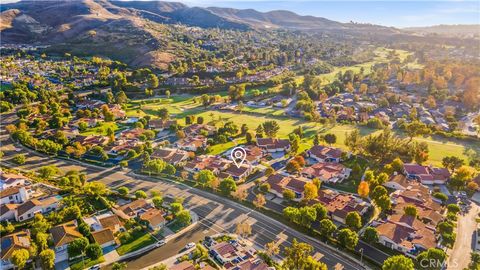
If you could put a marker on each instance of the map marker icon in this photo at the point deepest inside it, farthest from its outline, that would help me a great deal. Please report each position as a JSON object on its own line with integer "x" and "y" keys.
{"x": 238, "y": 156}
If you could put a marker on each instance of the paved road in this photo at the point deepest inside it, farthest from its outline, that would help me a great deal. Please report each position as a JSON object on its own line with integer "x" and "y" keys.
{"x": 216, "y": 214}
{"x": 459, "y": 256}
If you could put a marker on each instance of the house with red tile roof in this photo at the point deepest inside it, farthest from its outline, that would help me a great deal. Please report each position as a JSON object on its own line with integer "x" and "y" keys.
{"x": 8, "y": 180}
{"x": 279, "y": 183}
{"x": 207, "y": 162}
{"x": 237, "y": 173}
{"x": 28, "y": 209}
{"x": 171, "y": 155}
{"x": 196, "y": 129}
{"x": 160, "y": 124}
{"x": 322, "y": 153}
{"x": 406, "y": 234}
{"x": 427, "y": 175}
{"x": 192, "y": 143}
{"x": 339, "y": 204}
{"x": 16, "y": 194}
{"x": 327, "y": 172}
{"x": 154, "y": 218}
{"x": 273, "y": 145}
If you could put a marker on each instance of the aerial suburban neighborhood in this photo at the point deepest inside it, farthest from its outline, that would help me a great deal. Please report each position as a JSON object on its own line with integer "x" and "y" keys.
{"x": 154, "y": 135}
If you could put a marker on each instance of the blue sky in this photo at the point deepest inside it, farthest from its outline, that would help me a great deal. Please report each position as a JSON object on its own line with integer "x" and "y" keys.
{"x": 386, "y": 12}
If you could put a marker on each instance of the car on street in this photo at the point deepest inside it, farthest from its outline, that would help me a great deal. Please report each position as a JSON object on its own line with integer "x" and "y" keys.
{"x": 160, "y": 243}
{"x": 95, "y": 267}
{"x": 190, "y": 245}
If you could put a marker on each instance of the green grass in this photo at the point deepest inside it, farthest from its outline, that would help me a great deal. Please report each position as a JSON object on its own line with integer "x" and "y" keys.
{"x": 220, "y": 148}
{"x": 100, "y": 129}
{"x": 175, "y": 226}
{"x": 140, "y": 242}
{"x": 85, "y": 263}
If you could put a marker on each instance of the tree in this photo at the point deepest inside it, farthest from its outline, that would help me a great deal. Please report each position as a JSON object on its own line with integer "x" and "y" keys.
{"x": 363, "y": 189}
{"x": 119, "y": 266}
{"x": 184, "y": 218}
{"x": 330, "y": 138}
{"x": 441, "y": 196}
{"x": 169, "y": 169}
{"x": 327, "y": 227}
{"x": 474, "y": 260}
{"x": 353, "y": 141}
{"x": 241, "y": 194}
{"x": 77, "y": 247}
{"x": 123, "y": 191}
{"x": 293, "y": 166}
{"x": 271, "y": 249}
{"x": 93, "y": 251}
{"x": 121, "y": 98}
{"x": 416, "y": 128}
{"x": 398, "y": 262}
{"x": 298, "y": 256}
{"x": 294, "y": 142}
{"x": 259, "y": 201}
{"x": 310, "y": 191}
{"x": 176, "y": 207}
{"x": 20, "y": 159}
{"x": 152, "y": 81}
{"x": 228, "y": 185}
{"x": 432, "y": 259}
{"x": 157, "y": 201}
{"x": 453, "y": 208}
{"x": 205, "y": 177}
{"x": 243, "y": 229}
{"x": 370, "y": 235}
{"x": 270, "y": 128}
{"x": 20, "y": 257}
{"x": 353, "y": 220}
{"x": 410, "y": 210}
{"x": 288, "y": 195}
{"x": 378, "y": 192}
{"x": 249, "y": 136}
{"x": 462, "y": 175}
{"x": 348, "y": 238}
{"x": 236, "y": 92}
{"x": 452, "y": 162}
{"x": 163, "y": 113}
{"x": 42, "y": 240}
{"x": 384, "y": 203}
{"x": 46, "y": 172}
{"x": 47, "y": 257}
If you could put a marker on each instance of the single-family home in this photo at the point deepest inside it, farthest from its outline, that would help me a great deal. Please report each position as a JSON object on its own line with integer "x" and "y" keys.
{"x": 132, "y": 209}
{"x": 104, "y": 237}
{"x": 10, "y": 243}
{"x": 238, "y": 173}
{"x": 406, "y": 234}
{"x": 62, "y": 236}
{"x": 16, "y": 194}
{"x": 192, "y": 143}
{"x": 339, "y": 204}
{"x": 427, "y": 175}
{"x": 7, "y": 211}
{"x": 160, "y": 124}
{"x": 273, "y": 145}
{"x": 28, "y": 209}
{"x": 8, "y": 180}
{"x": 327, "y": 172}
{"x": 279, "y": 183}
{"x": 154, "y": 218}
{"x": 322, "y": 153}
{"x": 170, "y": 155}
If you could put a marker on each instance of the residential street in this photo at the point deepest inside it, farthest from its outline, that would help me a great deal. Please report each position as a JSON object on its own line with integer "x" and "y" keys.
{"x": 216, "y": 213}
{"x": 459, "y": 256}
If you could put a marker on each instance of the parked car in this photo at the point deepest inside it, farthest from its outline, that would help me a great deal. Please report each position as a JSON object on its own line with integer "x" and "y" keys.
{"x": 160, "y": 243}
{"x": 190, "y": 245}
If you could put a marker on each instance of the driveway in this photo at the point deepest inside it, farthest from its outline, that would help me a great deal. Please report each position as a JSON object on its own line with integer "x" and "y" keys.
{"x": 459, "y": 256}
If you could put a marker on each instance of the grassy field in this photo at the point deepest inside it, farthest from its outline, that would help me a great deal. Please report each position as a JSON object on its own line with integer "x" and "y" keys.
{"x": 85, "y": 263}
{"x": 101, "y": 129}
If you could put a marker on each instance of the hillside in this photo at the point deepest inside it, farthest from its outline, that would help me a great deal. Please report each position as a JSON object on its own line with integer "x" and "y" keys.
{"x": 464, "y": 31}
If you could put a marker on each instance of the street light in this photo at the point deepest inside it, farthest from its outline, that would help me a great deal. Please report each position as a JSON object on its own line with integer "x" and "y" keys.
{"x": 361, "y": 255}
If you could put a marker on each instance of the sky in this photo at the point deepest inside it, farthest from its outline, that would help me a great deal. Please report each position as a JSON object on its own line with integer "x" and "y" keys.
{"x": 386, "y": 12}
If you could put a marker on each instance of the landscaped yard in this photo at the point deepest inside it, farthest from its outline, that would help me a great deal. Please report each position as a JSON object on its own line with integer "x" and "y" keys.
{"x": 100, "y": 129}
{"x": 140, "y": 242}
{"x": 175, "y": 226}
{"x": 80, "y": 264}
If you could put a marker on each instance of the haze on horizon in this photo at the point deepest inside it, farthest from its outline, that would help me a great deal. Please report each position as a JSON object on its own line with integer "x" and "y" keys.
{"x": 398, "y": 14}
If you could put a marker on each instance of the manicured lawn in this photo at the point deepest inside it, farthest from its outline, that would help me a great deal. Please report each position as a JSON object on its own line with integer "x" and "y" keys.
{"x": 220, "y": 148}
{"x": 85, "y": 263}
{"x": 140, "y": 242}
{"x": 101, "y": 129}
{"x": 175, "y": 226}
